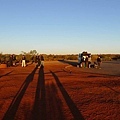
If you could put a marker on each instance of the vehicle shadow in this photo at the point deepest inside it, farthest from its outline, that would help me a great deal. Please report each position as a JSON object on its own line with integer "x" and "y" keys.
{"x": 11, "y": 112}
{"x": 39, "y": 107}
{"x": 73, "y": 63}
{"x": 73, "y": 108}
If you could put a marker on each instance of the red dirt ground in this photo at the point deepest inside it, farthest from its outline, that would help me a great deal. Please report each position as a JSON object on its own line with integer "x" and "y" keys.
{"x": 60, "y": 91}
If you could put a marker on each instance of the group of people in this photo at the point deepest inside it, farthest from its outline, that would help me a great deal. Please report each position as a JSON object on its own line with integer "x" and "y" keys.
{"x": 12, "y": 60}
{"x": 9, "y": 60}
{"x": 39, "y": 60}
{"x": 86, "y": 62}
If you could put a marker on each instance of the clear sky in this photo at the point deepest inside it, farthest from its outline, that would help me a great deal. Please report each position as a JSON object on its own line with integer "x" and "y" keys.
{"x": 60, "y": 26}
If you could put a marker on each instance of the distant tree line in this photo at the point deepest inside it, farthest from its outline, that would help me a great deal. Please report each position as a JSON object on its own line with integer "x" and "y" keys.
{"x": 108, "y": 57}
{"x": 52, "y": 57}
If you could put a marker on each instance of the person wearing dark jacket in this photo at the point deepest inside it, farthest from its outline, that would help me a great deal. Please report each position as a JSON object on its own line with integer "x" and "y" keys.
{"x": 42, "y": 61}
{"x": 39, "y": 62}
{"x": 10, "y": 60}
{"x": 86, "y": 62}
{"x": 99, "y": 62}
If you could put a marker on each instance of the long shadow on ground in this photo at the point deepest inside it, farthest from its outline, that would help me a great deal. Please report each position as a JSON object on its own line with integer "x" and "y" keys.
{"x": 39, "y": 108}
{"x": 6, "y": 74}
{"x": 11, "y": 112}
{"x": 73, "y": 108}
{"x": 69, "y": 62}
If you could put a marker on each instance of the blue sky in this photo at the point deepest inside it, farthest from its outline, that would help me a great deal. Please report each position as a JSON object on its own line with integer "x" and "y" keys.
{"x": 60, "y": 26}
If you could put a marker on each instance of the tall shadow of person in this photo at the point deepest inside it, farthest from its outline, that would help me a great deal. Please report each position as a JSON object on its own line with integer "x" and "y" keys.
{"x": 73, "y": 108}
{"x": 11, "y": 112}
{"x": 39, "y": 107}
{"x": 6, "y": 74}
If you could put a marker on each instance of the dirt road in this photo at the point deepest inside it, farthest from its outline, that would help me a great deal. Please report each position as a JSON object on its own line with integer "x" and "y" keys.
{"x": 60, "y": 91}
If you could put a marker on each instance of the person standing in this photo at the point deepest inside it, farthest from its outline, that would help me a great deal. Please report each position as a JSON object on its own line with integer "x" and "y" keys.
{"x": 39, "y": 62}
{"x": 83, "y": 61}
{"x": 11, "y": 60}
{"x": 86, "y": 62}
{"x": 42, "y": 61}
{"x": 23, "y": 61}
{"x": 89, "y": 61}
{"x": 36, "y": 60}
{"x": 7, "y": 61}
{"x": 14, "y": 60}
{"x": 99, "y": 62}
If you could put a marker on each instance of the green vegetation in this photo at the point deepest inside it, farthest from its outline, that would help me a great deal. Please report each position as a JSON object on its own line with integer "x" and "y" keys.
{"x": 52, "y": 57}
{"x": 107, "y": 57}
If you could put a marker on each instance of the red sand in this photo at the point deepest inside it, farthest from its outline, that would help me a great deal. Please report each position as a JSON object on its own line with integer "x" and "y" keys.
{"x": 59, "y": 91}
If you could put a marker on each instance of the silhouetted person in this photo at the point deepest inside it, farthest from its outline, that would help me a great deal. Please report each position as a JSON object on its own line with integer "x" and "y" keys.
{"x": 42, "y": 61}
{"x": 36, "y": 59}
{"x": 89, "y": 61}
{"x": 39, "y": 61}
{"x": 99, "y": 62}
{"x": 8, "y": 61}
{"x": 86, "y": 62}
{"x": 83, "y": 61}
{"x": 11, "y": 60}
{"x": 14, "y": 59}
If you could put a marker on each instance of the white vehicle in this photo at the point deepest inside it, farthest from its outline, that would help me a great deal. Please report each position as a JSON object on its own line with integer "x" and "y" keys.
{"x": 81, "y": 57}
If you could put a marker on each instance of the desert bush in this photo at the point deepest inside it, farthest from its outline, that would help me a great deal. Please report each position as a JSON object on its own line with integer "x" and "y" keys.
{"x": 51, "y": 57}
